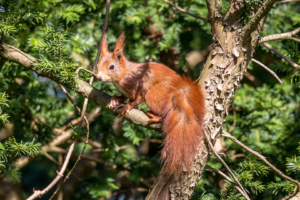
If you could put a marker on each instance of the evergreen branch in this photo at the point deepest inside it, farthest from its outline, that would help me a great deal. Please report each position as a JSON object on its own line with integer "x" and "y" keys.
{"x": 256, "y": 19}
{"x": 38, "y": 193}
{"x": 186, "y": 12}
{"x": 228, "y": 179}
{"x": 13, "y": 54}
{"x": 231, "y": 137}
{"x": 295, "y": 65}
{"x": 96, "y": 61}
{"x": 281, "y": 36}
{"x": 226, "y": 166}
{"x": 268, "y": 69}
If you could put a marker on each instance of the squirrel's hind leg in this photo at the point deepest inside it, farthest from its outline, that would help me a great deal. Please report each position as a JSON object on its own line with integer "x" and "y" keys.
{"x": 154, "y": 117}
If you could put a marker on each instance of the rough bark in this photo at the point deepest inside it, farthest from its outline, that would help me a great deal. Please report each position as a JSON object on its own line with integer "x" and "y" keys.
{"x": 223, "y": 70}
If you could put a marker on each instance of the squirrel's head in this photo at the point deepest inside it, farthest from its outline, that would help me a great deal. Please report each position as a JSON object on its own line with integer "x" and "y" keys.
{"x": 112, "y": 64}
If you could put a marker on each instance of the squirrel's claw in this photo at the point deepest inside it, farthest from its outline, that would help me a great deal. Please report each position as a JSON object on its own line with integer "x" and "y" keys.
{"x": 125, "y": 108}
{"x": 114, "y": 102}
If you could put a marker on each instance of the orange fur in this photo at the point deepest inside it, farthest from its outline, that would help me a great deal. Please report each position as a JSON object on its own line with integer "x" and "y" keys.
{"x": 176, "y": 100}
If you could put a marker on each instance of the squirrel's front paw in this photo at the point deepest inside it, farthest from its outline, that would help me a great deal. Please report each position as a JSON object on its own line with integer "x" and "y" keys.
{"x": 114, "y": 102}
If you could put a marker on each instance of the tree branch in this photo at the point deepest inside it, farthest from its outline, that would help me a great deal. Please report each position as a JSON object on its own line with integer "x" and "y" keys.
{"x": 186, "y": 12}
{"x": 281, "y": 36}
{"x": 38, "y": 193}
{"x": 226, "y": 166}
{"x": 62, "y": 138}
{"x": 228, "y": 179}
{"x": 268, "y": 69}
{"x": 10, "y": 53}
{"x": 259, "y": 15}
{"x": 281, "y": 55}
{"x": 231, "y": 137}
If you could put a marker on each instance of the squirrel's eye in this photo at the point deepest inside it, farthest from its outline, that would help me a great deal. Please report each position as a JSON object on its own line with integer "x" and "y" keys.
{"x": 111, "y": 67}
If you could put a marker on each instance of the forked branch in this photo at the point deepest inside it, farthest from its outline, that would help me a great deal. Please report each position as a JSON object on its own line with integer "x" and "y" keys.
{"x": 38, "y": 193}
{"x": 226, "y": 166}
{"x": 281, "y": 36}
{"x": 228, "y": 179}
{"x": 281, "y": 55}
{"x": 231, "y": 137}
{"x": 259, "y": 15}
{"x": 268, "y": 69}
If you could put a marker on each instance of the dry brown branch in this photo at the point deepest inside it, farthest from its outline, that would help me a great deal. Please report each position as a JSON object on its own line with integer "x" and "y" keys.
{"x": 69, "y": 97}
{"x": 281, "y": 36}
{"x": 85, "y": 143}
{"x": 38, "y": 193}
{"x": 285, "y": 1}
{"x": 256, "y": 19}
{"x": 231, "y": 137}
{"x": 268, "y": 69}
{"x": 281, "y": 55}
{"x": 228, "y": 179}
{"x": 85, "y": 103}
{"x": 226, "y": 166}
{"x": 186, "y": 12}
{"x": 84, "y": 156}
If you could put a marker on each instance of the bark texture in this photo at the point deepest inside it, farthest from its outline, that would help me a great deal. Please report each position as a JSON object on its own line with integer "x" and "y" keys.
{"x": 232, "y": 49}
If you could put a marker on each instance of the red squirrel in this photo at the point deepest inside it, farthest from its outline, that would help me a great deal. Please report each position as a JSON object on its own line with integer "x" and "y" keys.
{"x": 175, "y": 101}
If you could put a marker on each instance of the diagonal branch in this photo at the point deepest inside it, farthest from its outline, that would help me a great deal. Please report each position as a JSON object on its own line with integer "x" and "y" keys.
{"x": 281, "y": 55}
{"x": 38, "y": 193}
{"x": 231, "y": 137}
{"x": 228, "y": 179}
{"x": 225, "y": 165}
{"x": 12, "y": 54}
{"x": 268, "y": 69}
{"x": 259, "y": 15}
{"x": 281, "y": 36}
{"x": 186, "y": 12}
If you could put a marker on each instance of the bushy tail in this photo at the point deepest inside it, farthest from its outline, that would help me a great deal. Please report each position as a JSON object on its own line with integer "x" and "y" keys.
{"x": 183, "y": 120}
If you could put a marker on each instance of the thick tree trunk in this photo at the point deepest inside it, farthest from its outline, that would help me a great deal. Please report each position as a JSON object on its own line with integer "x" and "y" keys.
{"x": 223, "y": 70}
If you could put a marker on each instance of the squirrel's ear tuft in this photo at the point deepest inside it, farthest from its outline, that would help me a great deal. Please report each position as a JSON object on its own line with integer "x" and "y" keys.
{"x": 118, "y": 51}
{"x": 104, "y": 48}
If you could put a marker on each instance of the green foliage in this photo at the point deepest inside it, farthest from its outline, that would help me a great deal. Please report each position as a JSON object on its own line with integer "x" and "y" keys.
{"x": 248, "y": 169}
{"x": 284, "y": 186}
{"x": 3, "y": 102}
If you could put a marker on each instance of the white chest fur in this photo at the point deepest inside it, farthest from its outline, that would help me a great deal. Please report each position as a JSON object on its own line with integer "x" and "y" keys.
{"x": 120, "y": 89}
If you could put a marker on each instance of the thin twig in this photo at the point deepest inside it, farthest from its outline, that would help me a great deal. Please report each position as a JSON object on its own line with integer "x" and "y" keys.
{"x": 69, "y": 97}
{"x": 38, "y": 193}
{"x": 255, "y": 20}
{"x": 231, "y": 137}
{"x": 268, "y": 69}
{"x": 281, "y": 55}
{"x": 85, "y": 103}
{"x": 280, "y": 36}
{"x": 285, "y": 1}
{"x": 227, "y": 178}
{"x": 225, "y": 165}
{"x": 186, "y": 12}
